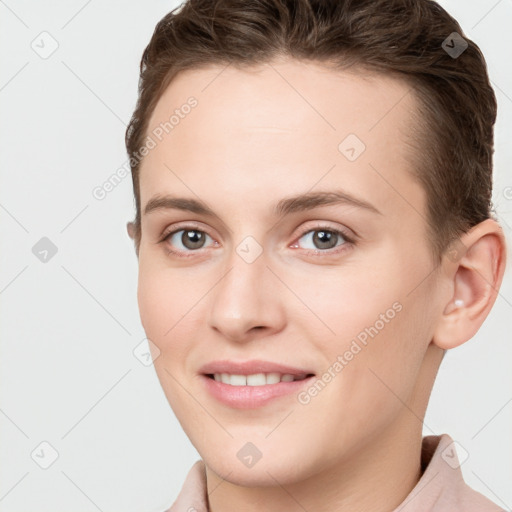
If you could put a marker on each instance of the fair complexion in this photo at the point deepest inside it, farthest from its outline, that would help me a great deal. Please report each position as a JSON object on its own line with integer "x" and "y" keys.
{"x": 255, "y": 138}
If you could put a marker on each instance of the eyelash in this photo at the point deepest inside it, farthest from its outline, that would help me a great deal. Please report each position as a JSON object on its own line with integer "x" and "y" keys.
{"x": 349, "y": 241}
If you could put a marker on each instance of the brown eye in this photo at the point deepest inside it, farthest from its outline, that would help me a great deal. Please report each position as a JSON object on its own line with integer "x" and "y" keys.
{"x": 193, "y": 239}
{"x": 324, "y": 239}
{"x": 186, "y": 240}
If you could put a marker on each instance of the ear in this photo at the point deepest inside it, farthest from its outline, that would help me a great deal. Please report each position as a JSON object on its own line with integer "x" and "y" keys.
{"x": 130, "y": 227}
{"x": 474, "y": 269}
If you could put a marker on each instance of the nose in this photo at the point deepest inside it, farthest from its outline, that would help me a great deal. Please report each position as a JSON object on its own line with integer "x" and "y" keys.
{"x": 246, "y": 301}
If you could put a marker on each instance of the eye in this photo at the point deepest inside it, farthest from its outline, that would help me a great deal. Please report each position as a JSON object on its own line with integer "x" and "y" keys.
{"x": 186, "y": 240}
{"x": 324, "y": 238}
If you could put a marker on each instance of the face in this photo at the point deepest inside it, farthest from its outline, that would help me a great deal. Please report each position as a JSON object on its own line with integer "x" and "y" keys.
{"x": 333, "y": 287}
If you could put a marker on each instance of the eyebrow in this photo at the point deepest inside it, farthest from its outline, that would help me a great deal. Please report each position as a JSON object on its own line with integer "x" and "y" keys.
{"x": 294, "y": 204}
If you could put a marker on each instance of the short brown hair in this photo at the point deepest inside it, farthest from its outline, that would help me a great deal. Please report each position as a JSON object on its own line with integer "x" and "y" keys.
{"x": 453, "y": 139}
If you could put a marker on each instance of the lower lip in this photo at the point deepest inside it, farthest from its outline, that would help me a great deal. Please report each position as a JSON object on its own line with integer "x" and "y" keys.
{"x": 251, "y": 397}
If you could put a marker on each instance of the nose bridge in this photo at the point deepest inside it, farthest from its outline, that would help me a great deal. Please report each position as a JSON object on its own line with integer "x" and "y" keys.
{"x": 244, "y": 297}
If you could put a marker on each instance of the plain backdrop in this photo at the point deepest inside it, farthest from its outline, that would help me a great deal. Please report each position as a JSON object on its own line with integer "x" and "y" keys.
{"x": 72, "y": 389}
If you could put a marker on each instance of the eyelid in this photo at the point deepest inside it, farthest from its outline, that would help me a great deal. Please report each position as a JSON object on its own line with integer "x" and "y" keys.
{"x": 318, "y": 225}
{"x": 182, "y": 226}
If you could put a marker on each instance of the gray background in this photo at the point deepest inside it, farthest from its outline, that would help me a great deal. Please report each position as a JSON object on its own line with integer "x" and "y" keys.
{"x": 69, "y": 326}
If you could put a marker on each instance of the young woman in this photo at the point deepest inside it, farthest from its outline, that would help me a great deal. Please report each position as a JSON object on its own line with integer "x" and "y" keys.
{"x": 313, "y": 226}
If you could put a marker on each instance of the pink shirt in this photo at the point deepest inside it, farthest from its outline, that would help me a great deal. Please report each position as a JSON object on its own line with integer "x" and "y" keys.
{"x": 441, "y": 487}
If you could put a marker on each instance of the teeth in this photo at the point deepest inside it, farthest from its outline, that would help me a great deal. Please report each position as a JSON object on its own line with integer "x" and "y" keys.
{"x": 256, "y": 379}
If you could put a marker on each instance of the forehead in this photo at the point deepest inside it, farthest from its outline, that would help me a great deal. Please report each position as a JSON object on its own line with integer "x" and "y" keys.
{"x": 287, "y": 124}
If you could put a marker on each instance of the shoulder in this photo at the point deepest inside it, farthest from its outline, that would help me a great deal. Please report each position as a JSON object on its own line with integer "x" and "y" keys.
{"x": 470, "y": 500}
{"x": 442, "y": 484}
{"x": 193, "y": 494}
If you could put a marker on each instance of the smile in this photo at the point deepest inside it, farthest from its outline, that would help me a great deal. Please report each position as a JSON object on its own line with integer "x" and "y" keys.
{"x": 256, "y": 379}
{"x": 249, "y": 392}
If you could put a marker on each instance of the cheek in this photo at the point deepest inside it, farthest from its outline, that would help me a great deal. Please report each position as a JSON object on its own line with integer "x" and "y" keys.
{"x": 374, "y": 335}
{"x": 162, "y": 306}
{"x": 153, "y": 300}
{"x": 171, "y": 314}
{"x": 342, "y": 302}
{"x": 370, "y": 390}
{"x": 382, "y": 376}
{"x": 169, "y": 322}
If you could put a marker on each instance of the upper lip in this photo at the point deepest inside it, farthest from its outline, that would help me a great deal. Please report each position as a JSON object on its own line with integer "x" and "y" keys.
{"x": 250, "y": 368}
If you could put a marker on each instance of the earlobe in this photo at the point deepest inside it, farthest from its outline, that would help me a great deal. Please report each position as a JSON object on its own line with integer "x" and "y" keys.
{"x": 475, "y": 282}
{"x": 452, "y": 329}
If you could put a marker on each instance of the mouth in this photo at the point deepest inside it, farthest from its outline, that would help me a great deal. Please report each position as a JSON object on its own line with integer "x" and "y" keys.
{"x": 253, "y": 383}
{"x": 254, "y": 390}
{"x": 256, "y": 379}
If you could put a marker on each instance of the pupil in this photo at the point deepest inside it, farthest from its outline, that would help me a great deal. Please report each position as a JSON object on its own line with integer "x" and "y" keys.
{"x": 192, "y": 239}
{"x": 324, "y": 237}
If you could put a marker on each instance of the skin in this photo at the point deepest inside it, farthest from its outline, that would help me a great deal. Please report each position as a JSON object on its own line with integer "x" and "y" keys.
{"x": 258, "y": 136}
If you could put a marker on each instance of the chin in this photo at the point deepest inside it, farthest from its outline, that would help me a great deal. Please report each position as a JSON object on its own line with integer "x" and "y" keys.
{"x": 266, "y": 472}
